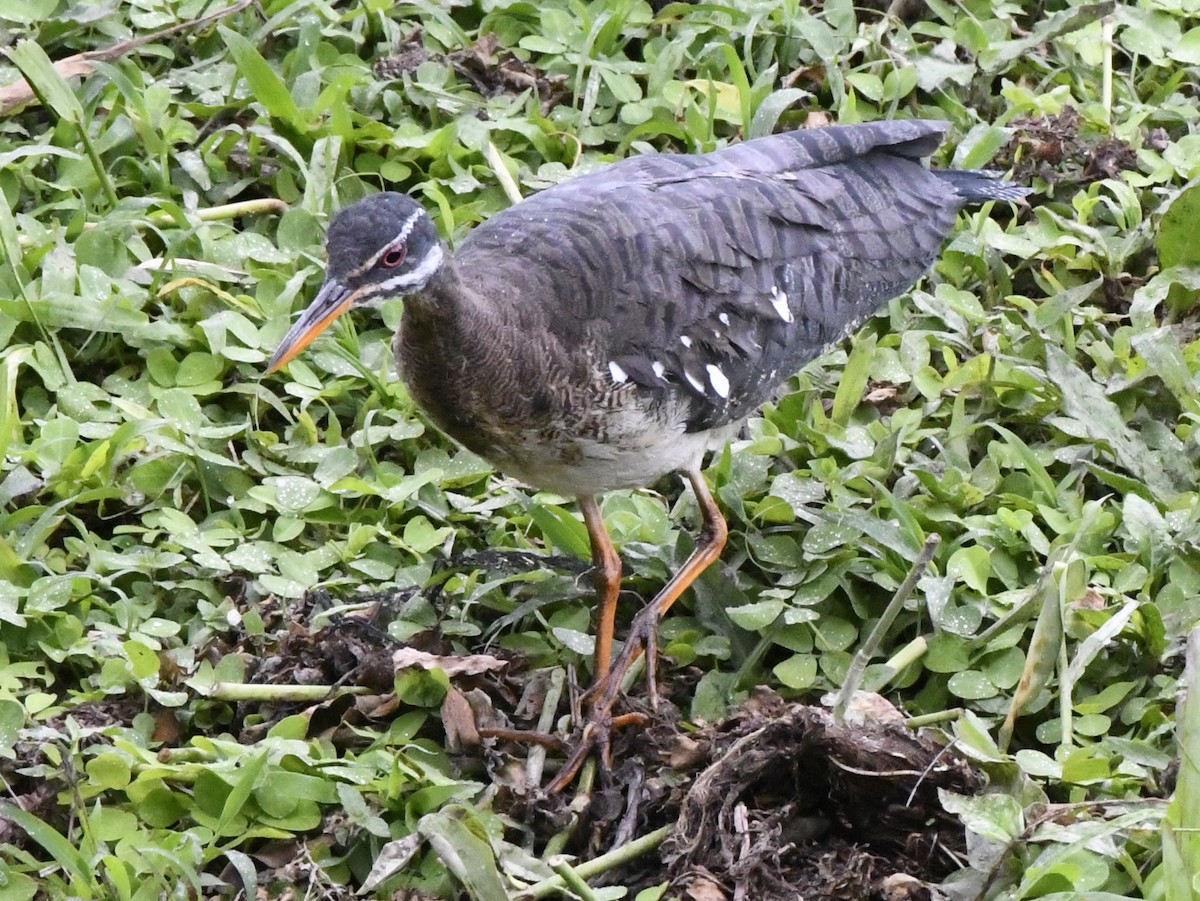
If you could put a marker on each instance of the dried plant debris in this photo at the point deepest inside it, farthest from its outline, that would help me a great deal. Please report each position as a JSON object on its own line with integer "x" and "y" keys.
{"x": 905, "y": 10}
{"x": 491, "y": 69}
{"x": 352, "y": 649}
{"x": 1054, "y": 150}
{"x": 780, "y": 802}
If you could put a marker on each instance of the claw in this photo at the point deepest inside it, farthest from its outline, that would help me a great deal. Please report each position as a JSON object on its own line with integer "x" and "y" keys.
{"x": 602, "y": 696}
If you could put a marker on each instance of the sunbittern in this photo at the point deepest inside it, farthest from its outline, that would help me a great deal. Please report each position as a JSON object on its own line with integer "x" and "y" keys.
{"x": 618, "y": 326}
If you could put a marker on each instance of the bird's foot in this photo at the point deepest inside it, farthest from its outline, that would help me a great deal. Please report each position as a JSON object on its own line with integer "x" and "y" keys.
{"x": 602, "y": 697}
{"x": 595, "y": 737}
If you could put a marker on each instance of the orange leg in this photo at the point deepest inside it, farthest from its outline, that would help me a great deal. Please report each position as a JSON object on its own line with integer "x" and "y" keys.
{"x": 608, "y": 583}
{"x": 644, "y": 631}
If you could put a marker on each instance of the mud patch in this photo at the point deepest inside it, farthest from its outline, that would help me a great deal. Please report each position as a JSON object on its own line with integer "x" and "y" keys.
{"x": 778, "y": 801}
{"x": 1054, "y": 150}
{"x": 485, "y": 64}
{"x": 790, "y": 803}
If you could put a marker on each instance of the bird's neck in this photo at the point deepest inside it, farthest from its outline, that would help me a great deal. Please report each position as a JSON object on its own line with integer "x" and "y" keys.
{"x": 447, "y": 304}
{"x": 447, "y": 335}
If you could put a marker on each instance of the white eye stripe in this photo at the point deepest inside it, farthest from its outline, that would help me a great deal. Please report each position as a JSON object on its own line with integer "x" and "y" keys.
{"x": 413, "y": 278}
{"x": 401, "y": 236}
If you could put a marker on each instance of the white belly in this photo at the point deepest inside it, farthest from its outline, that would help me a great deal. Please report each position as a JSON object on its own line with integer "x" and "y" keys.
{"x": 584, "y": 466}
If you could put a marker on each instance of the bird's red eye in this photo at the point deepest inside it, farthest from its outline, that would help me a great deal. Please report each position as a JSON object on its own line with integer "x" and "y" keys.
{"x": 393, "y": 257}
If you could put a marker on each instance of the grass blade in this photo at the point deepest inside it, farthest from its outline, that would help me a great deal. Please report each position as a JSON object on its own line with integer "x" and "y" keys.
{"x": 74, "y": 864}
{"x": 266, "y": 87}
{"x": 57, "y": 95}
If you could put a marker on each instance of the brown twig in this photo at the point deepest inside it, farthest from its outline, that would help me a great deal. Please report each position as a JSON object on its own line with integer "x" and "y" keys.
{"x": 525, "y": 737}
{"x": 79, "y": 65}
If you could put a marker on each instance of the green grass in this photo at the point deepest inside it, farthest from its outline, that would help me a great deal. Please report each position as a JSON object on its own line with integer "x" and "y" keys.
{"x": 173, "y": 523}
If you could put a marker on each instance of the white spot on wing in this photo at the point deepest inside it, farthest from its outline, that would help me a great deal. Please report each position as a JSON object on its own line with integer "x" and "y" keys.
{"x": 618, "y": 374}
{"x": 724, "y": 319}
{"x": 659, "y": 368}
{"x": 718, "y": 380}
{"x": 693, "y": 381}
{"x": 779, "y": 300}
{"x": 685, "y": 341}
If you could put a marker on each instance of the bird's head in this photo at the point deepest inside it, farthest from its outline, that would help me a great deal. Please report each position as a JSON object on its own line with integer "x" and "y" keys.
{"x": 381, "y": 247}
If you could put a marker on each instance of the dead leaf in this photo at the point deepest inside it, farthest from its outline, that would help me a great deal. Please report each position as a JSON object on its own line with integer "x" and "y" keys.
{"x": 685, "y": 753}
{"x": 459, "y": 721}
{"x": 471, "y": 665}
{"x": 867, "y": 708}
{"x": 392, "y": 858}
{"x": 166, "y": 728}
{"x": 880, "y": 394}
{"x": 702, "y": 888}
{"x": 817, "y": 119}
{"x": 20, "y": 93}
{"x": 902, "y": 887}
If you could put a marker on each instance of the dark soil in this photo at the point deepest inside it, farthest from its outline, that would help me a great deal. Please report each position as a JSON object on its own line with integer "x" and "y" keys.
{"x": 1058, "y": 151}
{"x": 778, "y": 801}
{"x": 491, "y": 69}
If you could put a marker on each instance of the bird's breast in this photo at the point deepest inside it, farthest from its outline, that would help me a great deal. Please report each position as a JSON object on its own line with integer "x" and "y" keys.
{"x": 550, "y": 416}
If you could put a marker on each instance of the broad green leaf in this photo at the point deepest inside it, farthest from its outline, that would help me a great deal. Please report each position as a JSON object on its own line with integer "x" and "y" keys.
{"x": 1181, "y": 828}
{"x": 78, "y": 869}
{"x": 27, "y": 12}
{"x": 1048, "y": 28}
{"x": 246, "y": 870}
{"x": 18, "y": 887}
{"x": 980, "y": 145}
{"x": 1177, "y": 245}
{"x": 994, "y": 816}
{"x": 972, "y": 685}
{"x": 1043, "y": 655}
{"x": 1187, "y": 50}
{"x": 561, "y": 529}
{"x": 265, "y": 86}
{"x": 39, "y": 71}
{"x": 798, "y": 672}
{"x": 854, "y": 379}
{"x": 455, "y": 835}
{"x": 973, "y": 565}
{"x": 110, "y": 770}
{"x": 1162, "y": 353}
{"x": 753, "y": 617}
{"x": 250, "y": 774}
{"x": 12, "y": 719}
{"x": 766, "y": 117}
{"x": 1092, "y": 414}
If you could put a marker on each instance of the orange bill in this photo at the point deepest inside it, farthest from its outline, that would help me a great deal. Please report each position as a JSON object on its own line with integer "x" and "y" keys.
{"x": 331, "y": 301}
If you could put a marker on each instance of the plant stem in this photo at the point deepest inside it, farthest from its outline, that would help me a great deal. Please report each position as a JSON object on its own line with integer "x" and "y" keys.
{"x": 859, "y": 664}
{"x": 598, "y": 865}
{"x": 226, "y": 211}
{"x": 242, "y": 691}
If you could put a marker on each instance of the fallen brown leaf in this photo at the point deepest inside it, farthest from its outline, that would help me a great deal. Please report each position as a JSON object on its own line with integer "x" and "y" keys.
{"x": 471, "y": 665}
{"x": 20, "y": 93}
{"x": 459, "y": 721}
{"x": 703, "y": 888}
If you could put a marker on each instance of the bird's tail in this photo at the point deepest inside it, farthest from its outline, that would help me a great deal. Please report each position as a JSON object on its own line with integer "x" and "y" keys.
{"x": 976, "y": 185}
